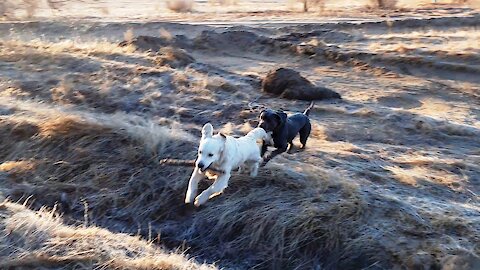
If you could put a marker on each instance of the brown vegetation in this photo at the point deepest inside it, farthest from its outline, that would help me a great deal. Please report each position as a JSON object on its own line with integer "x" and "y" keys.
{"x": 32, "y": 239}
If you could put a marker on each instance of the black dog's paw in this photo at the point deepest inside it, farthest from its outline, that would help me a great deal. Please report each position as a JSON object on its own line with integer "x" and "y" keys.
{"x": 291, "y": 149}
{"x": 264, "y": 162}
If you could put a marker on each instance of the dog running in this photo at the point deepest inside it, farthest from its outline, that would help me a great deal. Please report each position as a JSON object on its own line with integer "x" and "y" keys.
{"x": 224, "y": 153}
{"x": 284, "y": 129}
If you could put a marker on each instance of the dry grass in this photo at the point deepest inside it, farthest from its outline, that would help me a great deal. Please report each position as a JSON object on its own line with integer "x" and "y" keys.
{"x": 96, "y": 156}
{"x": 463, "y": 41}
{"x": 66, "y": 46}
{"x": 39, "y": 239}
{"x": 51, "y": 122}
{"x": 289, "y": 216}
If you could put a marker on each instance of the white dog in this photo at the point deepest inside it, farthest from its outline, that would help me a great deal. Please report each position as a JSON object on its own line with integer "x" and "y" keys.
{"x": 224, "y": 154}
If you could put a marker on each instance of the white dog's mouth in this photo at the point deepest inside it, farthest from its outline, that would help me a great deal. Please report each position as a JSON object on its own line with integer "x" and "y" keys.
{"x": 206, "y": 168}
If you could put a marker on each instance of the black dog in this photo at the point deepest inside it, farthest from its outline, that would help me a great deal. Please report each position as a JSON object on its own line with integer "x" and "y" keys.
{"x": 284, "y": 129}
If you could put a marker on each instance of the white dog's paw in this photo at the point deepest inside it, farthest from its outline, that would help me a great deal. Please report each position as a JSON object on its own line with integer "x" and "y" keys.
{"x": 200, "y": 199}
{"x": 189, "y": 197}
{"x": 254, "y": 170}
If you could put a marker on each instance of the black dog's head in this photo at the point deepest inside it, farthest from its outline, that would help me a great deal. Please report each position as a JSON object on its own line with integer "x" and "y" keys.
{"x": 271, "y": 120}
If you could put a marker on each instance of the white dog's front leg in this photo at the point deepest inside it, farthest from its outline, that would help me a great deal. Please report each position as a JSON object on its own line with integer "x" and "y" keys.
{"x": 193, "y": 185}
{"x": 216, "y": 188}
{"x": 254, "y": 169}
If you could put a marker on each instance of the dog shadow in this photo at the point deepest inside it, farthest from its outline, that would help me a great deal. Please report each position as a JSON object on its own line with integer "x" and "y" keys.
{"x": 295, "y": 150}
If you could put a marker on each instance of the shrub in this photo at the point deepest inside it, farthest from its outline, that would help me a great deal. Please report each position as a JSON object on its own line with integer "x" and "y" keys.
{"x": 180, "y": 5}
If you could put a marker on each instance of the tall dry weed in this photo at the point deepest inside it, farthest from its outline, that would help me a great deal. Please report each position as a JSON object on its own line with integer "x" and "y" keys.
{"x": 308, "y": 4}
{"x": 384, "y": 4}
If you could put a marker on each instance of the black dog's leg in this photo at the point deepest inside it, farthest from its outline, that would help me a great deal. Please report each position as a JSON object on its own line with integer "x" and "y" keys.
{"x": 304, "y": 133}
{"x": 274, "y": 153}
{"x": 264, "y": 148}
{"x": 290, "y": 147}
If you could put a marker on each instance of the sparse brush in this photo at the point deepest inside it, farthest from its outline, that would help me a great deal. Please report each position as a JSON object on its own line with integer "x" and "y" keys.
{"x": 308, "y": 4}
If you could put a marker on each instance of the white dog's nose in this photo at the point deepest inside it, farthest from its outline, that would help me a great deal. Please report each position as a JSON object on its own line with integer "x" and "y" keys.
{"x": 200, "y": 165}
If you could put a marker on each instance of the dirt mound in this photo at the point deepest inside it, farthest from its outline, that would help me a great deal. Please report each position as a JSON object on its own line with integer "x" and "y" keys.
{"x": 173, "y": 57}
{"x": 326, "y": 35}
{"x": 154, "y": 44}
{"x": 288, "y": 83}
{"x": 231, "y": 40}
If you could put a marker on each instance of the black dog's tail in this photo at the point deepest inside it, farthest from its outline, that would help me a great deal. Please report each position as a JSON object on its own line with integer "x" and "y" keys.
{"x": 307, "y": 111}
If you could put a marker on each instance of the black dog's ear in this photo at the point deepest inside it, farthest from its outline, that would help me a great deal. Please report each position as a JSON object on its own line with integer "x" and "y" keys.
{"x": 282, "y": 117}
{"x": 260, "y": 114}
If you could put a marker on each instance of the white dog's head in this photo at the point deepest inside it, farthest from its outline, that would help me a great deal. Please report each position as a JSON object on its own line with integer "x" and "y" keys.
{"x": 259, "y": 133}
{"x": 210, "y": 149}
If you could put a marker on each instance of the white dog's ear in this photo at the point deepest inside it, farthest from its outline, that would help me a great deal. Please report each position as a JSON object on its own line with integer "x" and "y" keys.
{"x": 207, "y": 130}
{"x": 223, "y": 135}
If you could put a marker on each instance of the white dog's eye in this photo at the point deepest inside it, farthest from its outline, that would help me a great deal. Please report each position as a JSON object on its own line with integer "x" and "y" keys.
{"x": 200, "y": 152}
{"x": 210, "y": 155}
